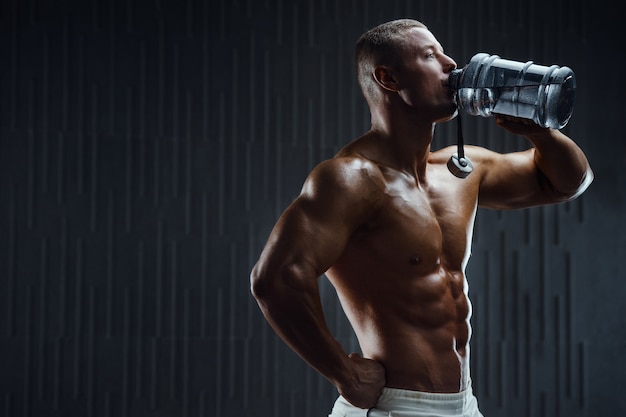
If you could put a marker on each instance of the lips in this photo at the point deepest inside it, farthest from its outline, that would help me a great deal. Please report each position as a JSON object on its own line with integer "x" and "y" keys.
{"x": 450, "y": 93}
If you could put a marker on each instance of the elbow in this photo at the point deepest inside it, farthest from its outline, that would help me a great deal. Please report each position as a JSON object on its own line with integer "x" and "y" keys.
{"x": 584, "y": 184}
{"x": 567, "y": 190}
{"x": 258, "y": 283}
{"x": 264, "y": 283}
{"x": 270, "y": 284}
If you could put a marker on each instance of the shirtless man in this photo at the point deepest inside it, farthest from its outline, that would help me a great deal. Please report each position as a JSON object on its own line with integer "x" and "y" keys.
{"x": 391, "y": 228}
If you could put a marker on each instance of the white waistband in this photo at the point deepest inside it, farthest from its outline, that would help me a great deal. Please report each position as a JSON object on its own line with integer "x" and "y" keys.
{"x": 394, "y": 397}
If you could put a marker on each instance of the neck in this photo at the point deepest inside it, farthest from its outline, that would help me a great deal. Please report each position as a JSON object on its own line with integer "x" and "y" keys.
{"x": 409, "y": 138}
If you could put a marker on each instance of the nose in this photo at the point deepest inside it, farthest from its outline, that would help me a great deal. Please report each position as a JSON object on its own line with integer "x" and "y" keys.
{"x": 448, "y": 64}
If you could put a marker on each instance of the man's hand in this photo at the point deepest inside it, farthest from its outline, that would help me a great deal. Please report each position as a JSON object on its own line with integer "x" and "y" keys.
{"x": 519, "y": 126}
{"x": 366, "y": 388}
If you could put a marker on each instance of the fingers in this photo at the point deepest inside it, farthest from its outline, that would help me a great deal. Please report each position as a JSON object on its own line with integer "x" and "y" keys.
{"x": 518, "y": 126}
{"x": 504, "y": 119}
{"x": 368, "y": 385}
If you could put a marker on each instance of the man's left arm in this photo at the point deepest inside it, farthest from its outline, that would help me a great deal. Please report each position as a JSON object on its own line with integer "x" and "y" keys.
{"x": 557, "y": 156}
{"x": 553, "y": 171}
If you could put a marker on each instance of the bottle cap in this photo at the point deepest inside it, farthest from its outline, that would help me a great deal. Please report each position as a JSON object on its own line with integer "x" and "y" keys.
{"x": 460, "y": 167}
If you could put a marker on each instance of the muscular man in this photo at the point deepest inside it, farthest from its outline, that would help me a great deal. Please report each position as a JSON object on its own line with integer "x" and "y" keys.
{"x": 391, "y": 228}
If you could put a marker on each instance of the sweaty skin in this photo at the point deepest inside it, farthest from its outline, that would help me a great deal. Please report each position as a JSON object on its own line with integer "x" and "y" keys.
{"x": 400, "y": 278}
{"x": 391, "y": 228}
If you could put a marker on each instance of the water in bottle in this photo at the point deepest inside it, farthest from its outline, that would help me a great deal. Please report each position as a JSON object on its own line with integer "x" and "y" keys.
{"x": 490, "y": 85}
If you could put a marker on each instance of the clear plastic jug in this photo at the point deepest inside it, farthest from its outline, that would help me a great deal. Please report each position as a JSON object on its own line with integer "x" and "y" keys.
{"x": 490, "y": 85}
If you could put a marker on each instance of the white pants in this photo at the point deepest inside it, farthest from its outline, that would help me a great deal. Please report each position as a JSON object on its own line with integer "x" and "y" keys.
{"x": 404, "y": 403}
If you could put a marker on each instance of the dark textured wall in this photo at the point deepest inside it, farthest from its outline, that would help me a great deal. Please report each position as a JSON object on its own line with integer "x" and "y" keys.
{"x": 148, "y": 146}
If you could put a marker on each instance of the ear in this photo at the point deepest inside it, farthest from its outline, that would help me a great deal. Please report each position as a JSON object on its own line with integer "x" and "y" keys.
{"x": 385, "y": 78}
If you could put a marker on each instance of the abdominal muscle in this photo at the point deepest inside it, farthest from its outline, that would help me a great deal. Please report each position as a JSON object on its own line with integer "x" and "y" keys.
{"x": 401, "y": 284}
{"x": 417, "y": 327}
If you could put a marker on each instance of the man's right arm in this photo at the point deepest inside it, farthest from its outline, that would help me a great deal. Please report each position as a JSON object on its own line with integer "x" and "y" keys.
{"x": 308, "y": 238}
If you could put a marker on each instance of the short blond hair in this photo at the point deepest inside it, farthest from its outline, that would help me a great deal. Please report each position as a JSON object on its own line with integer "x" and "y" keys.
{"x": 380, "y": 45}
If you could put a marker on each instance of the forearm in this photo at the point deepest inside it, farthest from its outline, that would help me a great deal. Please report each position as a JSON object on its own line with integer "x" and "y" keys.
{"x": 561, "y": 161}
{"x": 292, "y": 306}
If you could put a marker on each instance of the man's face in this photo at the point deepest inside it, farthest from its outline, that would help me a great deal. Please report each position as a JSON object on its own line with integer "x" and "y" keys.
{"x": 423, "y": 75}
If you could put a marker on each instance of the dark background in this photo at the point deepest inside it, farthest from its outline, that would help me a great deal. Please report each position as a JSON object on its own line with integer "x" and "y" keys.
{"x": 148, "y": 146}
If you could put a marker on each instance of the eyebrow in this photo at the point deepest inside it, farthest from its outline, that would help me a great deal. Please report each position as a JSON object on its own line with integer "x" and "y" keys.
{"x": 435, "y": 46}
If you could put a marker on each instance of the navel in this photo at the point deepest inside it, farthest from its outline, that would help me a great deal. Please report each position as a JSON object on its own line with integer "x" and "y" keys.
{"x": 415, "y": 260}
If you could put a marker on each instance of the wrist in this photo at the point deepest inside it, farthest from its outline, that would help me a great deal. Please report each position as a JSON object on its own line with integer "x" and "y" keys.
{"x": 345, "y": 377}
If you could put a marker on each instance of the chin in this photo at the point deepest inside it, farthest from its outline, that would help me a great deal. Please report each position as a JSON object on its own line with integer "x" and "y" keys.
{"x": 449, "y": 116}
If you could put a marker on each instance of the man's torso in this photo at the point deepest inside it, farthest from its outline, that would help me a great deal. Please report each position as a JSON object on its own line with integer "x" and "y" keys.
{"x": 401, "y": 279}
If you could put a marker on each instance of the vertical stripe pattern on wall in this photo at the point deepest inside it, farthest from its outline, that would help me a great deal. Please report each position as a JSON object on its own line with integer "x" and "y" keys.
{"x": 148, "y": 146}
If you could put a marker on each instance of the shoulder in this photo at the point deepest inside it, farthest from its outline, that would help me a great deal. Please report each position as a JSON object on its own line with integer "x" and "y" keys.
{"x": 345, "y": 173}
{"x": 475, "y": 153}
{"x": 484, "y": 160}
{"x": 346, "y": 183}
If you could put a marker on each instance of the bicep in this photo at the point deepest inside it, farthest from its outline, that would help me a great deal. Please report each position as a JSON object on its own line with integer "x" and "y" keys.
{"x": 512, "y": 180}
{"x": 307, "y": 237}
{"x": 314, "y": 230}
